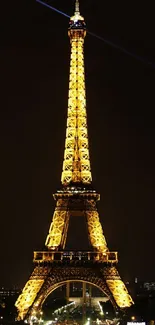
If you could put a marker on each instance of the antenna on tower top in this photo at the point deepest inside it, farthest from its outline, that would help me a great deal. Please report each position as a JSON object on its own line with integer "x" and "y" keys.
{"x": 77, "y": 10}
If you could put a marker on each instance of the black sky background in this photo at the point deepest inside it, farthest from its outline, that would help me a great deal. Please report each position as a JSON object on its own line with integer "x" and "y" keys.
{"x": 34, "y": 68}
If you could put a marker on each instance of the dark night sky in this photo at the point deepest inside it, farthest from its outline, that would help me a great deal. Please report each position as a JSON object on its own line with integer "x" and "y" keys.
{"x": 34, "y": 67}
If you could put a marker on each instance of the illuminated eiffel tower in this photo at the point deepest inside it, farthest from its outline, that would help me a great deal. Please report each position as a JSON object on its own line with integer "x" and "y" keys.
{"x": 55, "y": 266}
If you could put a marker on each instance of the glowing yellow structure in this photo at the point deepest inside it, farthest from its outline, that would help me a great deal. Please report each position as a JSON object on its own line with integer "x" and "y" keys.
{"x": 76, "y": 165}
{"x": 55, "y": 266}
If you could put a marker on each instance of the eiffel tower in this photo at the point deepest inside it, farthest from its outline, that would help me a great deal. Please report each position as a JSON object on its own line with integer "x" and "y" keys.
{"x": 56, "y": 266}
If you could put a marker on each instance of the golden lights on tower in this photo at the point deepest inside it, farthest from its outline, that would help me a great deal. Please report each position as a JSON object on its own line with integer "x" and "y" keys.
{"x": 76, "y": 165}
{"x": 75, "y": 197}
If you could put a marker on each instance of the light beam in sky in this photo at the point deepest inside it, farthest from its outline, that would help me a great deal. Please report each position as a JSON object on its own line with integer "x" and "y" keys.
{"x": 139, "y": 58}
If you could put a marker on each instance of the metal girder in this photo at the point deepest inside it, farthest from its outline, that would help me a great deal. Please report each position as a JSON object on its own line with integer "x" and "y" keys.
{"x": 59, "y": 226}
{"x": 95, "y": 232}
{"x": 120, "y": 293}
{"x": 30, "y": 291}
{"x": 117, "y": 287}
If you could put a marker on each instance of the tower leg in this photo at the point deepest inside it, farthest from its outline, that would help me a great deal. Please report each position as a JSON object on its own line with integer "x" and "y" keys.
{"x": 117, "y": 287}
{"x": 96, "y": 237}
{"x": 59, "y": 226}
{"x": 31, "y": 290}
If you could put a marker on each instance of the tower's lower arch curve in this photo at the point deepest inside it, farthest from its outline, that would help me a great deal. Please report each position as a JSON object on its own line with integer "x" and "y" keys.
{"x": 51, "y": 289}
{"x": 60, "y": 276}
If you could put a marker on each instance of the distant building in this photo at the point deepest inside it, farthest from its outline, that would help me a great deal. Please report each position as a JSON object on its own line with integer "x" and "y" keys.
{"x": 143, "y": 293}
{"x": 7, "y": 301}
{"x": 5, "y": 293}
{"x": 149, "y": 286}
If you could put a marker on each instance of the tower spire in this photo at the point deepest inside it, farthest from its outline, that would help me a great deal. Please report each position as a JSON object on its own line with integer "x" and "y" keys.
{"x": 76, "y": 165}
{"x": 77, "y": 10}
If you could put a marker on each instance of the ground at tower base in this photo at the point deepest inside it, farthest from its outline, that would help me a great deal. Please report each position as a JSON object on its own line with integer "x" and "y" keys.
{"x": 58, "y": 311}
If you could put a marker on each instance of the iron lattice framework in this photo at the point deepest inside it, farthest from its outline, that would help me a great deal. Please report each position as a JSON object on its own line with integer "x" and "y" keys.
{"x": 55, "y": 266}
{"x": 76, "y": 165}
